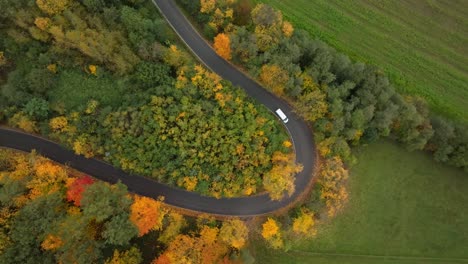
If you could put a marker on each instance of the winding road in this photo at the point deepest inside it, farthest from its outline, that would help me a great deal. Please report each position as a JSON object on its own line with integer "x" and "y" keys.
{"x": 300, "y": 134}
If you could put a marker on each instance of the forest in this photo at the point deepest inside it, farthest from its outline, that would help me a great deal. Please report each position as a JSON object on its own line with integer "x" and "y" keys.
{"x": 110, "y": 80}
{"x": 53, "y": 214}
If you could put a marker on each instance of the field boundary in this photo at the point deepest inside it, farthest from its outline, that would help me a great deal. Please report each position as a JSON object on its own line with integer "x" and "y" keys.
{"x": 388, "y": 257}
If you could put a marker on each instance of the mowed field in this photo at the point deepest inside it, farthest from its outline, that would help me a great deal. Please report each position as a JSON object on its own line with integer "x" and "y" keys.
{"x": 421, "y": 44}
{"x": 402, "y": 205}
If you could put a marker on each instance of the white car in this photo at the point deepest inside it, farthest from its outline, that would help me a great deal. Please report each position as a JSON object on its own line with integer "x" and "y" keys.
{"x": 281, "y": 115}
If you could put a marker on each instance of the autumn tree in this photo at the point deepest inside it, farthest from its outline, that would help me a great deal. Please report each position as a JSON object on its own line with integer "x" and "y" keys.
{"x": 76, "y": 187}
{"x": 304, "y": 224}
{"x": 24, "y": 122}
{"x": 332, "y": 181}
{"x": 271, "y": 233}
{"x": 280, "y": 179}
{"x": 222, "y": 46}
{"x": 234, "y": 233}
{"x": 146, "y": 214}
{"x": 275, "y": 78}
{"x": 49, "y": 178}
{"x": 52, "y": 7}
{"x": 268, "y": 26}
{"x": 288, "y": 29}
{"x": 44, "y": 212}
{"x": 207, "y": 6}
{"x": 204, "y": 247}
{"x": 131, "y": 256}
{"x": 175, "y": 222}
{"x": 312, "y": 102}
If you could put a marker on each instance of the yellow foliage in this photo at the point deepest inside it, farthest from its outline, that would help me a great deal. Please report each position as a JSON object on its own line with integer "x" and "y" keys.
{"x": 23, "y": 122}
{"x": 52, "y": 7}
{"x": 280, "y": 178}
{"x": 270, "y": 228}
{"x": 324, "y": 146}
{"x": 207, "y": 81}
{"x": 332, "y": 180}
{"x": 287, "y": 144}
{"x": 59, "y": 123}
{"x": 175, "y": 57}
{"x": 52, "y": 68}
{"x": 209, "y": 234}
{"x": 176, "y": 222}
{"x": 181, "y": 80}
{"x": 91, "y": 107}
{"x": 234, "y": 233}
{"x": 206, "y": 6}
{"x": 51, "y": 242}
{"x": 48, "y": 179}
{"x": 304, "y": 224}
{"x": 229, "y": 13}
{"x": 270, "y": 232}
{"x": 42, "y": 23}
{"x": 274, "y": 78}
{"x": 92, "y": 69}
{"x": 190, "y": 183}
{"x": 288, "y": 29}
{"x": 249, "y": 190}
{"x": 81, "y": 146}
{"x": 222, "y": 46}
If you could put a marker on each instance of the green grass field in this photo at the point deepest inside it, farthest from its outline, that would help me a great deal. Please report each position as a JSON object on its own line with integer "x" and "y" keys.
{"x": 421, "y": 44}
{"x": 401, "y": 204}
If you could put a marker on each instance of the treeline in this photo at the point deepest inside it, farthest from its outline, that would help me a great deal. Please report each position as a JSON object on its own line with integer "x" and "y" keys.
{"x": 349, "y": 103}
{"x": 50, "y": 214}
{"x": 107, "y": 79}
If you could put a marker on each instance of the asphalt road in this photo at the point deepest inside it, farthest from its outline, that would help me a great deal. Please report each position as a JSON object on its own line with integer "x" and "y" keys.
{"x": 244, "y": 206}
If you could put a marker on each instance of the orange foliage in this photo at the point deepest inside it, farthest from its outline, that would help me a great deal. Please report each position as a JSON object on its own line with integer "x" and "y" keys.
{"x": 222, "y": 46}
{"x": 146, "y": 214}
{"x": 48, "y": 179}
{"x": 42, "y": 22}
{"x": 162, "y": 259}
{"x": 288, "y": 29}
{"x": 51, "y": 242}
{"x": 185, "y": 249}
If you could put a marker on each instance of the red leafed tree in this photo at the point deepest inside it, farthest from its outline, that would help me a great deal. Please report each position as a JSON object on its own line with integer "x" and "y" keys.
{"x": 76, "y": 189}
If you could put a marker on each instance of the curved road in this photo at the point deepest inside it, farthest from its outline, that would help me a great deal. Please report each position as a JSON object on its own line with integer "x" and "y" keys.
{"x": 244, "y": 206}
